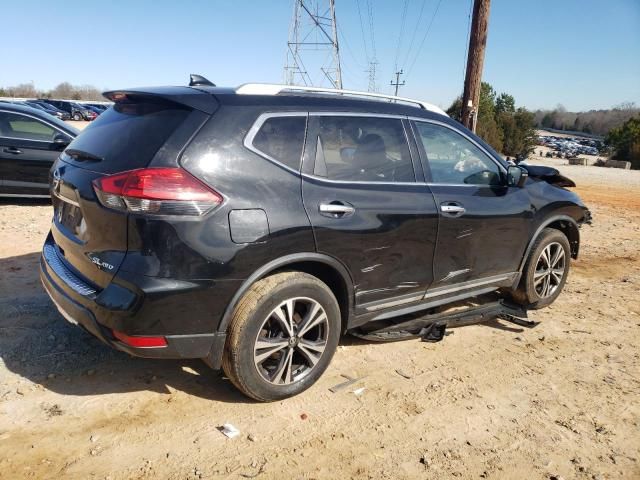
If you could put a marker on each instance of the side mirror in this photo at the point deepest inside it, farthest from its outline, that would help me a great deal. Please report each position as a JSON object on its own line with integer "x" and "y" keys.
{"x": 516, "y": 176}
{"x": 61, "y": 139}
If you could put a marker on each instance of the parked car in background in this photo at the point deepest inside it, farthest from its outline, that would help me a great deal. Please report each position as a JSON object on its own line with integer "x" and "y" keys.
{"x": 251, "y": 227}
{"x": 77, "y": 111}
{"x": 50, "y": 110}
{"x": 56, "y": 112}
{"x": 100, "y": 106}
{"x": 30, "y": 141}
{"x": 96, "y": 110}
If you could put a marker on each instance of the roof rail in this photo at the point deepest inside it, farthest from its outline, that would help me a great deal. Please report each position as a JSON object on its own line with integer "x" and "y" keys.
{"x": 274, "y": 89}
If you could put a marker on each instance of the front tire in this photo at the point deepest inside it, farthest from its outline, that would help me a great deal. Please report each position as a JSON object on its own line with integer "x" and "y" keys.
{"x": 546, "y": 270}
{"x": 282, "y": 336}
{"x": 77, "y": 117}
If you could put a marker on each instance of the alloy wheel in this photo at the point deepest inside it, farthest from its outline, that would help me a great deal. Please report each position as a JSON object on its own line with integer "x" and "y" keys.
{"x": 550, "y": 270}
{"x": 291, "y": 341}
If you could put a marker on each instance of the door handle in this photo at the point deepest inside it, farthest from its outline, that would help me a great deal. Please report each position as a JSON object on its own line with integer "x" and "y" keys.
{"x": 452, "y": 209}
{"x": 336, "y": 209}
{"x": 12, "y": 150}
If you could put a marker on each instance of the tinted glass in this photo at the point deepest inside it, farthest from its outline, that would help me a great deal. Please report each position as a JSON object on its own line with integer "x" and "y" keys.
{"x": 365, "y": 149}
{"x": 454, "y": 159}
{"x": 282, "y": 138}
{"x": 14, "y": 125}
{"x": 127, "y": 136}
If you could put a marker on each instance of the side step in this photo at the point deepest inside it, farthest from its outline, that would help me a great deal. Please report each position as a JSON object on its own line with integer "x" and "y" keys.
{"x": 432, "y": 327}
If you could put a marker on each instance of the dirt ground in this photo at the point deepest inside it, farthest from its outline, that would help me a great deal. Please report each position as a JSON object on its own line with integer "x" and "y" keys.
{"x": 490, "y": 401}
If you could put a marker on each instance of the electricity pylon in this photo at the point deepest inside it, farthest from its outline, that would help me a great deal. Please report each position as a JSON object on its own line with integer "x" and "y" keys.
{"x": 313, "y": 41}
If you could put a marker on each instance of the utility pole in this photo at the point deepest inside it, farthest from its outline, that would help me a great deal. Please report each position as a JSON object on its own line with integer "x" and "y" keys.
{"x": 313, "y": 34}
{"x": 475, "y": 61}
{"x": 398, "y": 84}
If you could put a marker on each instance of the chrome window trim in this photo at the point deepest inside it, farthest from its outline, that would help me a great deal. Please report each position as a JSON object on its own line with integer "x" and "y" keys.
{"x": 484, "y": 150}
{"x": 360, "y": 182}
{"x": 38, "y": 119}
{"x": 257, "y": 125}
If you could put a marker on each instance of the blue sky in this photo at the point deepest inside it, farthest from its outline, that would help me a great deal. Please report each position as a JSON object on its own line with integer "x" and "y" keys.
{"x": 581, "y": 53}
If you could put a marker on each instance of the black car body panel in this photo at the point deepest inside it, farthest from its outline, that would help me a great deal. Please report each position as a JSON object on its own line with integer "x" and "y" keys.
{"x": 30, "y": 142}
{"x": 392, "y": 252}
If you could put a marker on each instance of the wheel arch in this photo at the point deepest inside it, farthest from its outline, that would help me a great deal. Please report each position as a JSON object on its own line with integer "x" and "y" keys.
{"x": 564, "y": 223}
{"x": 329, "y": 270}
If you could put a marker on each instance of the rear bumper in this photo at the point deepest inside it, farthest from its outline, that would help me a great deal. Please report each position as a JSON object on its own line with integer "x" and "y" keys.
{"x": 82, "y": 305}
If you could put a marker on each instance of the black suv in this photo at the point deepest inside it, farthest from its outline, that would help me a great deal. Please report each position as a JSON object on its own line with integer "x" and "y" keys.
{"x": 76, "y": 111}
{"x": 251, "y": 227}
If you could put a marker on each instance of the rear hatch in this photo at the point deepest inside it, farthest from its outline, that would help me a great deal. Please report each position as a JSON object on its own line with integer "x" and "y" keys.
{"x": 88, "y": 237}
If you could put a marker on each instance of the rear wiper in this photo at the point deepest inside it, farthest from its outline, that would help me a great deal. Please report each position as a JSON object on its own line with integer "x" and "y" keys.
{"x": 82, "y": 156}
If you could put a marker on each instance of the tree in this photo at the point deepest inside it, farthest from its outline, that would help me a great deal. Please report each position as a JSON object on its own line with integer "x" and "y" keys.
{"x": 625, "y": 142}
{"x": 505, "y": 103}
{"x": 507, "y": 129}
{"x": 487, "y": 127}
{"x": 63, "y": 90}
{"x": 24, "y": 90}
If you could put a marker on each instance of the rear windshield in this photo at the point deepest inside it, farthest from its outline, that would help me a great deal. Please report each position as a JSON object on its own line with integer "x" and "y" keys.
{"x": 125, "y": 137}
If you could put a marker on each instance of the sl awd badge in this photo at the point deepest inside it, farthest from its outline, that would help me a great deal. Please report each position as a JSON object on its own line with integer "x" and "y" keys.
{"x": 102, "y": 265}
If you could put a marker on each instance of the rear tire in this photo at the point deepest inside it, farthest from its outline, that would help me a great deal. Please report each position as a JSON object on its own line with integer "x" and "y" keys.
{"x": 546, "y": 270}
{"x": 77, "y": 117}
{"x": 282, "y": 336}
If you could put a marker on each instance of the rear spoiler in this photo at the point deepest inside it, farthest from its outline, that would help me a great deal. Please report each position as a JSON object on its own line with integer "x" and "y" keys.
{"x": 193, "y": 98}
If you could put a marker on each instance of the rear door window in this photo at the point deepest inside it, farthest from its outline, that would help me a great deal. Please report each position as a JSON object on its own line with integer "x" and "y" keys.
{"x": 22, "y": 127}
{"x": 281, "y": 138}
{"x": 369, "y": 149}
{"x": 125, "y": 137}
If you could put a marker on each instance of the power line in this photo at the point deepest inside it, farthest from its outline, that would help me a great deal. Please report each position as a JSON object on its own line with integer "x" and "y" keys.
{"x": 466, "y": 49}
{"x": 415, "y": 31}
{"x": 353, "y": 56}
{"x": 415, "y": 59}
{"x": 403, "y": 19}
{"x": 364, "y": 40}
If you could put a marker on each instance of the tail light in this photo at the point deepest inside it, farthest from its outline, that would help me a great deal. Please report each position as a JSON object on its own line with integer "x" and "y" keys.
{"x": 159, "y": 191}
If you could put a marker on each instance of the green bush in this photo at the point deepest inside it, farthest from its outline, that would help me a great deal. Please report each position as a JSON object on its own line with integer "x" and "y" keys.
{"x": 625, "y": 142}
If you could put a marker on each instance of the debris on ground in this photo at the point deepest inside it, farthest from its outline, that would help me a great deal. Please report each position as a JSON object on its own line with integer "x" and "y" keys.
{"x": 341, "y": 386}
{"x": 229, "y": 430}
{"x": 402, "y": 373}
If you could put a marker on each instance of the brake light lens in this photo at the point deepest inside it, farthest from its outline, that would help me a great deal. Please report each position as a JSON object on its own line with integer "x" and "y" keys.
{"x": 140, "y": 342}
{"x": 159, "y": 191}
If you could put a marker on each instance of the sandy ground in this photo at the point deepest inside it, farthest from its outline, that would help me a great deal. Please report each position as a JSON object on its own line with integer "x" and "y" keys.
{"x": 490, "y": 401}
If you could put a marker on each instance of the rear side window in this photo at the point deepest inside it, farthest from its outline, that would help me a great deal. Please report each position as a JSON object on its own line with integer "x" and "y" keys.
{"x": 22, "y": 127}
{"x": 126, "y": 136}
{"x": 369, "y": 149}
{"x": 282, "y": 139}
